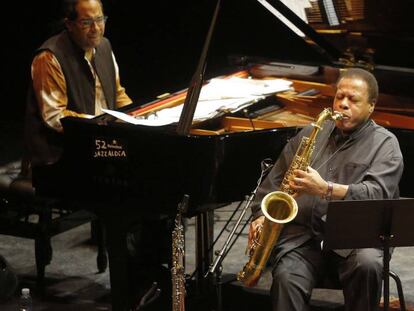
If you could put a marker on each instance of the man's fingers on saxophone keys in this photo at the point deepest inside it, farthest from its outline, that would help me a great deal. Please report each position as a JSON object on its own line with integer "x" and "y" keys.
{"x": 298, "y": 183}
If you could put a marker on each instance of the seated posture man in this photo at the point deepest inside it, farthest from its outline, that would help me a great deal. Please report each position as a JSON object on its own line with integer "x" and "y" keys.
{"x": 74, "y": 73}
{"x": 354, "y": 159}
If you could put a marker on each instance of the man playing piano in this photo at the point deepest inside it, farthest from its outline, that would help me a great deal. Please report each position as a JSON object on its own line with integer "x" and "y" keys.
{"x": 74, "y": 73}
{"x": 354, "y": 159}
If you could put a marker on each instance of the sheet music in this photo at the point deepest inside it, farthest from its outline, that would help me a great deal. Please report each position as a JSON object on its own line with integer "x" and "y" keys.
{"x": 239, "y": 87}
{"x": 217, "y": 97}
{"x": 129, "y": 119}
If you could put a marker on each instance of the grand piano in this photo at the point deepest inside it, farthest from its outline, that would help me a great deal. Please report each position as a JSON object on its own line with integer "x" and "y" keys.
{"x": 124, "y": 172}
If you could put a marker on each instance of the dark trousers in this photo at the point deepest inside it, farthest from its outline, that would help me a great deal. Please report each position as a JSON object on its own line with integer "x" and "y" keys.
{"x": 297, "y": 272}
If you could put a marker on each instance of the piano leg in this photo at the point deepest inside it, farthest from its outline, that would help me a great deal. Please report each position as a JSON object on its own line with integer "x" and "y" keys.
{"x": 122, "y": 287}
{"x": 132, "y": 275}
{"x": 118, "y": 263}
{"x": 204, "y": 253}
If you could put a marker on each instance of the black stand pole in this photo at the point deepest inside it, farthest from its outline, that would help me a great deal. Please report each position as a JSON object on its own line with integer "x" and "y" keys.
{"x": 216, "y": 267}
{"x": 386, "y": 269}
{"x": 386, "y": 238}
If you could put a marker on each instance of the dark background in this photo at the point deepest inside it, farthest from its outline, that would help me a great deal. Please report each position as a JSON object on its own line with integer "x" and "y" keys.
{"x": 158, "y": 44}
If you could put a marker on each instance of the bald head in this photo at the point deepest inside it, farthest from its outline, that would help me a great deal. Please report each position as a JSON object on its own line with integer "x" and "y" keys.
{"x": 69, "y": 8}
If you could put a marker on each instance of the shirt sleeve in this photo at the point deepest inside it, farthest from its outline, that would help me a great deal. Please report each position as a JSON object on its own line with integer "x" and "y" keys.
{"x": 50, "y": 90}
{"x": 122, "y": 99}
{"x": 382, "y": 177}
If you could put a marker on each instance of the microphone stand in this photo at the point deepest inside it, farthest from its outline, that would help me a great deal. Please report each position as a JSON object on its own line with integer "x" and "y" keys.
{"x": 217, "y": 267}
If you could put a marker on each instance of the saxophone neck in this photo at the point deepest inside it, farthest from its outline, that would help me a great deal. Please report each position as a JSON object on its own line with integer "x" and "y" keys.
{"x": 323, "y": 116}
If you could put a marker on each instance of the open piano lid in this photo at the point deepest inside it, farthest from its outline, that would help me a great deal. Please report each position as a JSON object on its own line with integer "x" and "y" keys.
{"x": 344, "y": 32}
{"x": 372, "y": 34}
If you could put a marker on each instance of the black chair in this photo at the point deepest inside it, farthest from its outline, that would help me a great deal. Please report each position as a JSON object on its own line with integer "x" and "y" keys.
{"x": 25, "y": 214}
{"x": 331, "y": 281}
{"x": 8, "y": 280}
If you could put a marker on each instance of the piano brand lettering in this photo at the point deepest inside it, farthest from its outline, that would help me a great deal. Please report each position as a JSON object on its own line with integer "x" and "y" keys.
{"x": 108, "y": 149}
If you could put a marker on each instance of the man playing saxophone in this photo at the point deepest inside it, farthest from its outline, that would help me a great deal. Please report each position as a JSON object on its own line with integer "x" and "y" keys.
{"x": 354, "y": 159}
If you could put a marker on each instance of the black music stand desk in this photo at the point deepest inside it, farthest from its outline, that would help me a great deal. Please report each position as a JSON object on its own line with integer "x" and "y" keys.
{"x": 371, "y": 224}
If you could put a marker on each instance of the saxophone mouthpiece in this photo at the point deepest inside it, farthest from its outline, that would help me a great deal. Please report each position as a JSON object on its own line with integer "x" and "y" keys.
{"x": 337, "y": 115}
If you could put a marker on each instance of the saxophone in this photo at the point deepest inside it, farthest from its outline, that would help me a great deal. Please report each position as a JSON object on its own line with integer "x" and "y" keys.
{"x": 178, "y": 269}
{"x": 279, "y": 207}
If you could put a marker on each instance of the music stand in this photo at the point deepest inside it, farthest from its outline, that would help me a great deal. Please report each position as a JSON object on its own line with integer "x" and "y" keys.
{"x": 371, "y": 224}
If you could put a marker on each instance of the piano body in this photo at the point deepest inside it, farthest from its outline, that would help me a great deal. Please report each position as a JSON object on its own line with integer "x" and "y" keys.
{"x": 124, "y": 171}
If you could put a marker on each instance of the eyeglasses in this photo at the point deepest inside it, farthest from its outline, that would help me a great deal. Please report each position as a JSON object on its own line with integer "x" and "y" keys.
{"x": 88, "y": 22}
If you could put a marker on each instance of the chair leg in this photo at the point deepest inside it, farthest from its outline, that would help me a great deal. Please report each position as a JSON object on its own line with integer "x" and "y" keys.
{"x": 8, "y": 280}
{"x": 43, "y": 254}
{"x": 99, "y": 232}
{"x": 399, "y": 289}
{"x": 43, "y": 246}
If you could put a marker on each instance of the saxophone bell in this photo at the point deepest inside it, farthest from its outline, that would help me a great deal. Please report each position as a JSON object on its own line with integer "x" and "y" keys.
{"x": 279, "y": 207}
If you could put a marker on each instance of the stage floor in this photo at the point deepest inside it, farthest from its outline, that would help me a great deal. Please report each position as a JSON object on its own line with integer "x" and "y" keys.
{"x": 72, "y": 281}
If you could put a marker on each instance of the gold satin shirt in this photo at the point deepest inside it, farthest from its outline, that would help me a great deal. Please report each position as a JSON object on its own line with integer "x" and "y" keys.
{"x": 50, "y": 90}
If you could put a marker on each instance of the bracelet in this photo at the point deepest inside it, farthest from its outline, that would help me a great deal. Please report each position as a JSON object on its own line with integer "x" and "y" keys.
{"x": 328, "y": 195}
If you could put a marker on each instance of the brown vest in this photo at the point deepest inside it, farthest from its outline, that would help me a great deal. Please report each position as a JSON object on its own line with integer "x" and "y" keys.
{"x": 44, "y": 145}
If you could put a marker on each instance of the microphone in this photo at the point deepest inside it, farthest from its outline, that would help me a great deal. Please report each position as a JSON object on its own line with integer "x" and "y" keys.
{"x": 249, "y": 116}
{"x": 266, "y": 165}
